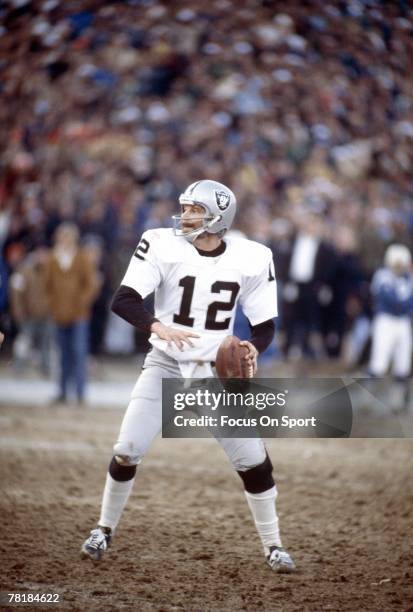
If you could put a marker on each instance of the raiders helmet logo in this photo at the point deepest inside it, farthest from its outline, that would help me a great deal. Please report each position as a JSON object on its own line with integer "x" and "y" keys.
{"x": 222, "y": 199}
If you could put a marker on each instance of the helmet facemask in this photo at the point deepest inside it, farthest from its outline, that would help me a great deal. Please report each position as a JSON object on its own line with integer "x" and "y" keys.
{"x": 208, "y": 220}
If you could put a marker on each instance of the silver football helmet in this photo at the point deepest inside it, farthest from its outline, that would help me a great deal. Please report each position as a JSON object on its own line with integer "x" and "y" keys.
{"x": 398, "y": 256}
{"x": 219, "y": 203}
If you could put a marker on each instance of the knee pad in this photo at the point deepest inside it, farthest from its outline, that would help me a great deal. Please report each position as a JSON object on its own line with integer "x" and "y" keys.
{"x": 401, "y": 379}
{"x": 123, "y": 455}
{"x": 121, "y": 470}
{"x": 259, "y": 478}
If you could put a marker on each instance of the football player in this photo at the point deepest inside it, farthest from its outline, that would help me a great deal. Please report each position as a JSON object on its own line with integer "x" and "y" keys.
{"x": 198, "y": 276}
{"x": 392, "y": 289}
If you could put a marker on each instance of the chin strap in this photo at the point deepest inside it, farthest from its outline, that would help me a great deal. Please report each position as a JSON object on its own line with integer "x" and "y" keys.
{"x": 192, "y": 236}
{"x": 204, "y": 229}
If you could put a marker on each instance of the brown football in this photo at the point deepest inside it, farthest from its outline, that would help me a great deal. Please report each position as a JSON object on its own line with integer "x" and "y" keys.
{"x": 229, "y": 362}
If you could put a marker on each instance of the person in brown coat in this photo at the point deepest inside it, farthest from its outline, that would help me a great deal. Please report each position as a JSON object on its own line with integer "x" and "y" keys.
{"x": 71, "y": 286}
{"x": 29, "y": 307}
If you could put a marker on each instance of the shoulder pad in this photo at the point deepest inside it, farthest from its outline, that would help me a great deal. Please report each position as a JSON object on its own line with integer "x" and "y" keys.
{"x": 383, "y": 275}
{"x": 381, "y": 278}
{"x": 253, "y": 257}
{"x": 165, "y": 245}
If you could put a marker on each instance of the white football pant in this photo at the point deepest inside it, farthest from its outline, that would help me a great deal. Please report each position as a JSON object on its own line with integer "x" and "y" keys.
{"x": 391, "y": 346}
{"x": 143, "y": 418}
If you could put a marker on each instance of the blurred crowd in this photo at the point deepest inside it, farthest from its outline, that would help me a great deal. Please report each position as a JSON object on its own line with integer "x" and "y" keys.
{"x": 108, "y": 110}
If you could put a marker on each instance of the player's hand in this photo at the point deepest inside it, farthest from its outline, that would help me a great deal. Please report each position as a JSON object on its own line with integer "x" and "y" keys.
{"x": 251, "y": 356}
{"x": 172, "y": 335}
{"x": 1, "y": 338}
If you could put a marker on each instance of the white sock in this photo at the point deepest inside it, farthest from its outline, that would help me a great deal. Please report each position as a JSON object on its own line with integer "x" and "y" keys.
{"x": 262, "y": 506}
{"x": 115, "y": 496}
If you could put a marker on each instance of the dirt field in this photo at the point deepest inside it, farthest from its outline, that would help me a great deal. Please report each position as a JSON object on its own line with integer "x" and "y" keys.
{"x": 187, "y": 541}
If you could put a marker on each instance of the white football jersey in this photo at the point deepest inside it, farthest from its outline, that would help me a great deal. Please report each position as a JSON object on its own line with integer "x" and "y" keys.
{"x": 200, "y": 293}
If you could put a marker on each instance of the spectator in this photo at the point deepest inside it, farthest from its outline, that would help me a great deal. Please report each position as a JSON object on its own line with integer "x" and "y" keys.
{"x": 3, "y": 289}
{"x": 306, "y": 288}
{"x": 347, "y": 285}
{"x": 29, "y": 306}
{"x": 92, "y": 247}
{"x": 71, "y": 286}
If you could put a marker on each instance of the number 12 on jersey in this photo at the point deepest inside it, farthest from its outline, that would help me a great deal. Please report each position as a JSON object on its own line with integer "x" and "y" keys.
{"x": 142, "y": 249}
{"x": 184, "y": 318}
